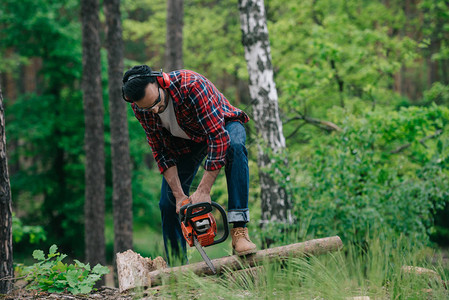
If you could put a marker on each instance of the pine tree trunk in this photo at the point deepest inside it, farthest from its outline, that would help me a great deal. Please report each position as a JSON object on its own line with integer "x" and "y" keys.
{"x": 173, "y": 51}
{"x": 6, "y": 267}
{"x": 94, "y": 135}
{"x": 276, "y": 205}
{"x": 121, "y": 161}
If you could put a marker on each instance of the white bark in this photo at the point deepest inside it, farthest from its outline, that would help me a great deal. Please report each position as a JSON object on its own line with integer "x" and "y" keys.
{"x": 276, "y": 206}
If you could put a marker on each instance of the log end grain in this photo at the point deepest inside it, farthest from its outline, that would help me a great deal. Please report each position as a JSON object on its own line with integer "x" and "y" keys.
{"x": 133, "y": 269}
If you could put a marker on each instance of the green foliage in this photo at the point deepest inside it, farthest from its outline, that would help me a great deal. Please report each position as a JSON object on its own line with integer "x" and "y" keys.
{"x": 438, "y": 93}
{"x": 52, "y": 275}
{"x": 50, "y": 184}
{"x": 387, "y": 171}
{"x": 20, "y": 231}
{"x": 47, "y": 125}
{"x": 331, "y": 52}
{"x": 436, "y": 29}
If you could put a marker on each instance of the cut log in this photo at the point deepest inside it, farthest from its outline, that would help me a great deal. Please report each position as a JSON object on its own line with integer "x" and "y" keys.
{"x": 234, "y": 262}
{"x": 133, "y": 270}
{"x": 152, "y": 277}
{"x": 421, "y": 271}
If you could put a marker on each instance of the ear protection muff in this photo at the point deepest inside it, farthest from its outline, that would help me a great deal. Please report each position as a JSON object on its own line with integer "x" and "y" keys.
{"x": 162, "y": 78}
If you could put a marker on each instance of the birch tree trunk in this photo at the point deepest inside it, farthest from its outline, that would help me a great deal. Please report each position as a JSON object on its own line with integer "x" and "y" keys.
{"x": 94, "y": 135}
{"x": 121, "y": 161}
{"x": 6, "y": 267}
{"x": 276, "y": 205}
{"x": 173, "y": 51}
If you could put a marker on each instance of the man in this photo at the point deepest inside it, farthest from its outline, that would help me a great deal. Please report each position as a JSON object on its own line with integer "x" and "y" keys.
{"x": 186, "y": 118}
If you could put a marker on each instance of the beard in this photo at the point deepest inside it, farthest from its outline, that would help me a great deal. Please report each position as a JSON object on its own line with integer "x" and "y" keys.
{"x": 164, "y": 103}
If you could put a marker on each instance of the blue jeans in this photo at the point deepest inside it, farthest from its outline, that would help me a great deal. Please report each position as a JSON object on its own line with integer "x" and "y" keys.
{"x": 237, "y": 178}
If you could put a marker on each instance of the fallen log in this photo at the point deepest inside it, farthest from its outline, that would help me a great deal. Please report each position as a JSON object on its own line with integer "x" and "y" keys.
{"x": 234, "y": 262}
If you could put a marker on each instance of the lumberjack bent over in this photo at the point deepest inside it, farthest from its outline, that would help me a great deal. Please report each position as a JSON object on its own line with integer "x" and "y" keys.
{"x": 185, "y": 119}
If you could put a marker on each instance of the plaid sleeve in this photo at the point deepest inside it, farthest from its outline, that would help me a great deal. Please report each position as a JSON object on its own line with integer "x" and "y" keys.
{"x": 154, "y": 138}
{"x": 211, "y": 120}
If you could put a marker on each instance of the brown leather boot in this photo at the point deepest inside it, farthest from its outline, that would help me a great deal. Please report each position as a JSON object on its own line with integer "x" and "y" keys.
{"x": 241, "y": 244}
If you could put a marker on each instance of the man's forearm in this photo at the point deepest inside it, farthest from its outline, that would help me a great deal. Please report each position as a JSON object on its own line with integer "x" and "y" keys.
{"x": 172, "y": 178}
{"x": 207, "y": 181}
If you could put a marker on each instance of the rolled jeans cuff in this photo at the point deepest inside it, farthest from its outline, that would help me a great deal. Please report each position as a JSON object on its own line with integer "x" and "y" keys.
{"x": 238, "y": 215}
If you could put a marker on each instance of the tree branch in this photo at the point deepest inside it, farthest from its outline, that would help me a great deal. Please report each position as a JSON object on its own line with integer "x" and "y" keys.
{"x": 421, "y": 141}
{"x": 10, "y": 278}
{"x": 295, "y": 131}
{"x": 325, "y": 125}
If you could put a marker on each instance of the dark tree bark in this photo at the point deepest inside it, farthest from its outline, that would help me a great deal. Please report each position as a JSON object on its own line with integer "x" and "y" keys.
{"x": 433, "y": 75}
{"x": 173, "y": 51}
{"x": 121, "y": 161}
{"x": 276, "y": 203}
{"x": 94, "y": 134}
{"x": 6, "y": 267}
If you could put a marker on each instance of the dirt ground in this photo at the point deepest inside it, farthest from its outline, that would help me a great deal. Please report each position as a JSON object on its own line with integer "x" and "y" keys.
{"x": 102, "y": 293}
{"x": 109, "y": 291}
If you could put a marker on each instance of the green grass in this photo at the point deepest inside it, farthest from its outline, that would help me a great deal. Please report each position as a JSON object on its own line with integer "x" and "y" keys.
{"x": 148, "y": 242}
{"x": 376, "y": 272}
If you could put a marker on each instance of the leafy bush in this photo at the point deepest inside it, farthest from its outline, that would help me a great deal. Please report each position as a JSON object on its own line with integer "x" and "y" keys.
{"x": 439, "y": 93}
{"x": 52, "y": 275}
{"x": 386, "y": 172}
{"x": 34, "y": 233}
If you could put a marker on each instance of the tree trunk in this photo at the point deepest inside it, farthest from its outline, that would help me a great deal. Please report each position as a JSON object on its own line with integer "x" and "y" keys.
{"x": 121, "y": 161}
{"x": 6, "y": 267}
{"x": 94, "y": 134}
{"x": 173, "y": 51}
{"x": 276, "y": 205}
{"x": 134, "y": 269}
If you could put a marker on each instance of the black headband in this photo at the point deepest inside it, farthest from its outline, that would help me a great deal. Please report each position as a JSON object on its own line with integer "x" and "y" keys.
{"x": 151, "y": 74}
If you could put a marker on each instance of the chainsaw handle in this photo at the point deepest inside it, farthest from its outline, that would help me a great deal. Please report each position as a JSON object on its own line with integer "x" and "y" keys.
{"x": 225, "y": 223}
{"x": 186, "y": 212}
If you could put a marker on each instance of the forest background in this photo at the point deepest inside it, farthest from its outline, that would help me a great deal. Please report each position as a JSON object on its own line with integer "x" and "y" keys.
{"x": 363, "y": 93}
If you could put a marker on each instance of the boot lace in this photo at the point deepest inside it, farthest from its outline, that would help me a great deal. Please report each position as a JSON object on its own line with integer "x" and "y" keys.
{"x": 240, "y": 232}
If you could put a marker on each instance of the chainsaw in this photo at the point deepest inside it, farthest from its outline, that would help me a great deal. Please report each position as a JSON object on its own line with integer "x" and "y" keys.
{"x": 199, "y": 227}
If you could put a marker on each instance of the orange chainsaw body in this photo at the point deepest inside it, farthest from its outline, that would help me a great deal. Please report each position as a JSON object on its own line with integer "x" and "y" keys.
{"x": 197, "y": 221}
{"x": 205, "y": 238}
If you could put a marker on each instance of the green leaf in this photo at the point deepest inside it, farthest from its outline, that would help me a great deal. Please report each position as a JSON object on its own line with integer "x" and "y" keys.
{"x": 72, "y": 278}
{"x": 80, "y": 264}
{"x": 61, "y": 267}
{"x": 100, "y": 270}
{"x": 53, "y": 249}
{"x": 85, "y": 289}
{"x": 38, "y": 254}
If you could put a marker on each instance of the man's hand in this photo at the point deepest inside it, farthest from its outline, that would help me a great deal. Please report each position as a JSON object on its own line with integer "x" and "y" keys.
{"x": 179, "y": 202}
{"x": 202, "y": 193}
{"x": 199, "y": 197}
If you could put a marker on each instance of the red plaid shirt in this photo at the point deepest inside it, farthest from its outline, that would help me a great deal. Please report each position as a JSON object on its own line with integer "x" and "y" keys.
{"x": 201, "y": 111}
